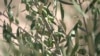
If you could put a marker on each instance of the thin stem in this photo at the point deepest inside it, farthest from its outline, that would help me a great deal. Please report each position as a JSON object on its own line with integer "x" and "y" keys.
{"x": 90, "y": 6}
{"x": 90, "y": 40}
{"x": 18, "y": 26}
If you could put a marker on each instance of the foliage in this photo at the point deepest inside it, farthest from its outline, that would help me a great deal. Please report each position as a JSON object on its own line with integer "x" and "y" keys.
{"x": 42, "y": 39}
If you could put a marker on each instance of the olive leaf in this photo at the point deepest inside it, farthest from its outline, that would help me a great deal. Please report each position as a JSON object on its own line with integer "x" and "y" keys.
{"x": 62, "y": 11}
{"x": 5, "y": 2}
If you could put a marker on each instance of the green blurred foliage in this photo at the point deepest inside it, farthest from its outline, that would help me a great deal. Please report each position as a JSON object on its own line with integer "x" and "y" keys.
{"x": 42, "y": 40}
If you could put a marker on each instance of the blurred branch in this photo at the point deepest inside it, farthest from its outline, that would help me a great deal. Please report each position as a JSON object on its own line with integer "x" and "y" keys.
{"x": 90, "y": 6}
{"x": 67, "y": 3}
{"x": 17, "y": 25}
{"x": 89, "y": 40}
{"x": 9, "y": 3}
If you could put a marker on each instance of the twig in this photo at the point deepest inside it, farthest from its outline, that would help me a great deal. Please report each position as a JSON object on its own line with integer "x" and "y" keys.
{"x": 89, "y": 39}
{"x": 18, "y": 26}
{"x": 90, "y": 6}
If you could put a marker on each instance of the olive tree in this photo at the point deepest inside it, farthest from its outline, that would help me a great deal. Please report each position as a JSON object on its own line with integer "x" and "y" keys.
{"x": 47, "y": 35}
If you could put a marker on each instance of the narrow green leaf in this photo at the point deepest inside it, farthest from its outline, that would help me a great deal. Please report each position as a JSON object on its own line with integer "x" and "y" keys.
{"x": 22, "y": 1}
{"x": 82, "y": 51}
{"x": 16, "y": 21}
{"x": 64, "y": 2}
{"x": 40, "y": 9}
{"x": 62, "y": 11}
{"x": 6, "y": 35}
{"x": 29, "y": 17}
{"x": 44, "y": 13}
{"x": 51, "y": 19}
{"x": 30, "y": 2}
{"x": 90, "y": 5}
{"x": 69, "y": 45}
{"x": 48, "y": 11}
{"x": 55, "y": 7}
{"x": 49, "y": 42}
{"x": 34, "y": 13}
{"x": 9, "y": 28}
{"x": 33, "y": 24}
{"x": 60, "y": 29}
{"x": 74, "y": 50}
{"x": 97, "y": 39}
{"x": 77, "y": 7}
{"x": 27, "y": 7}
{"x": 98, "y": 1}
{"x": 44, "y": 1}
{"x": 95, "y": 21}
{"x": 63, "y": 51}
{"x": 49, "y": 5}
{"x": 5, "y": 2}
{"x": 58, "y": 34}
{"x": 18, "y": 32}
{"x": 10, "y": 15}
{"x": 63, "y": 25}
